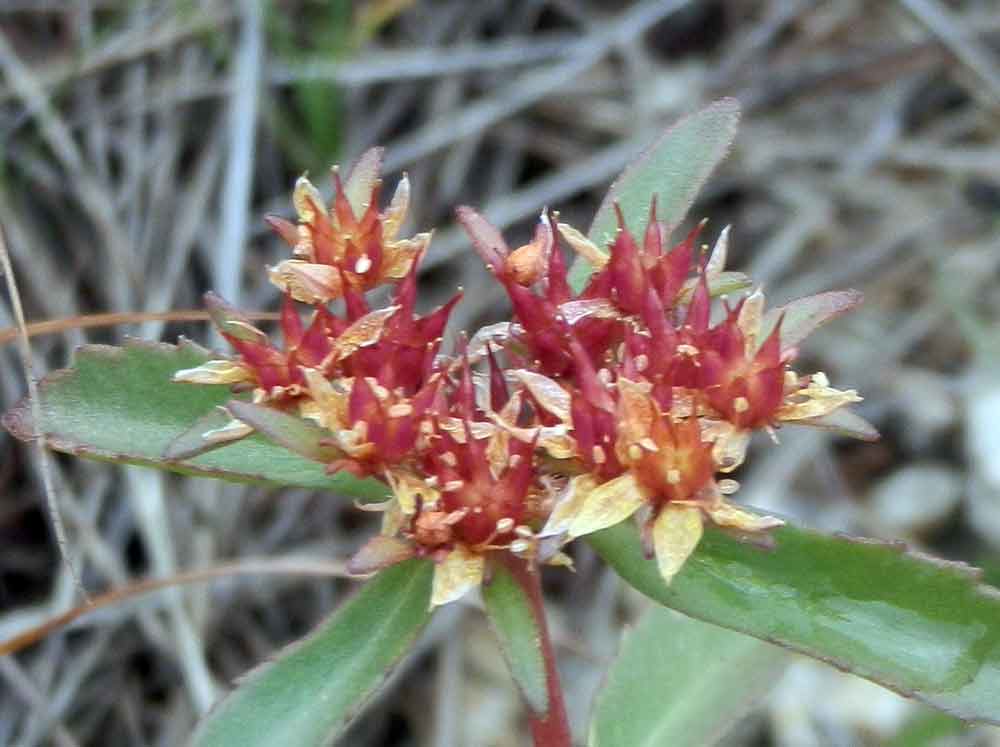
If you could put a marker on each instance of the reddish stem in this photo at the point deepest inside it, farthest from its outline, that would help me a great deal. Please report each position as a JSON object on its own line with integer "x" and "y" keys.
{"x": 552, "y": 730}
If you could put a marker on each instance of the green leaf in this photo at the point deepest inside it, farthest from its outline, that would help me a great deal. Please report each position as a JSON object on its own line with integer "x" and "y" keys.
{"x": 119, "y": 405}
{"x": 674, "y": 168}
{"x": 678, "y": 682}
{"x": 803, "y": 316}
{"x": 922, "y": 627}
{"x": 293, "y": 433}
{"x": 315, "y": 686}
{"x": 510, "y": 613}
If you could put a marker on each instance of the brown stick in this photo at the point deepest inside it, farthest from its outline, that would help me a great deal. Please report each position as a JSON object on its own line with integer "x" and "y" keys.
{"x": 110, "y": 319}
{"x": 145, "y": 586}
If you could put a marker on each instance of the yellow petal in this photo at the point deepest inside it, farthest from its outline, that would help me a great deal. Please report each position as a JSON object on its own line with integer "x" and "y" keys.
{"x": 231, "y": 431}
{"x": 407, "y": 488}
{"x": 727, "y": 515}
{"x": 307, "y": 200}
{"x": 496, "y": 335}
{"x": 606, "y": 505}
{"x": 748, "y": 321}
{"x": 638, "y": 411}
{"x": 460, "y": 571}
{"x": 676, "y": 533}
{"x": 717, "y": 259}
{"x": 393, "y": 520}
{"x": 568, "y": 505}
{"x": 586, "y": 308}
{"x": 327, "y": 404}
{"x": 359, "y": 184}
{"x": 583, "y": 246}
{"x": 307, "y": 282}
{"x": 364, "y": 332}
{"x": 402, "y": 254}
{"x": 820, "y": 399}
{"x": 729, "y": 447}
{"x": 215, "y": 372}
{"x": 549, "y": 395}
{"x": 562, "y": 560}
{"x": 395, "y": 214}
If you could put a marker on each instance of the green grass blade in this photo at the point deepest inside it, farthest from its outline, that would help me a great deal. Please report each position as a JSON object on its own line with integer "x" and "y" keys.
{"x": 678, "y": 682}
{"x": 310, "y": 692}
{"x": 119, "y": 405}
{"x": 922, "y": 627}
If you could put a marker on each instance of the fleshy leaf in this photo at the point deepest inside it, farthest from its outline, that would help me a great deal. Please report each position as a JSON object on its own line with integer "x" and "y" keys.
{"x": 804, "y": 315}
{"x": 309, "y": 693}
{"x": 681, "y": 682}
{"x": 119, "y": 405}
{"x": 194, "y": 441}
{"x": 293, "y": 433}
{"x": 925, "y": 628}
{"x": 511, "y": 616}
{"x": 673, "y": 168}
{"x": 844, "y": 422}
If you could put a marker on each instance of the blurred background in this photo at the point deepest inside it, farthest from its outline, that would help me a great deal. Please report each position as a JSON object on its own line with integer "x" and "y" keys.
{"x": 142, "y": 143}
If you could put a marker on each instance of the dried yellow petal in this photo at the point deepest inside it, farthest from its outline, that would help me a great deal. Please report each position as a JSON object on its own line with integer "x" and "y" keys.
{"x": 460, "y": 571}
{"x": 676, "y": 533}
{"x": 568, "y": 505}
{"x": 307, "y": 200}
{"x": 215, "y": 372}
{"x": 364, "y": 332}
{"x": 819, "y": 399}
{"x": 408, "y": 488}
{"x": 728, "y": 515}
{"x": 395, "y": 214}
{"x": 717, "y": 259}
{"x": 548, "y": 393}
{"x": 606, "y": 505}
{"x": 583, "y": 246}
{"x": 234, "y": 430}
{"x": 402, "y": 254}
{"x": 306, "y": 282}
{"x": 748, "y": 321}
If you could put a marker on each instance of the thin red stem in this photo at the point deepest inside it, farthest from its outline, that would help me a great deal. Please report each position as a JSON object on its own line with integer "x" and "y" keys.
{"x": 552, "y": 730}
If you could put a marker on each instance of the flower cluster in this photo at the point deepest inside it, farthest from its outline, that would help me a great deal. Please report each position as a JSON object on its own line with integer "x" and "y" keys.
{"x": 635, "y": 396}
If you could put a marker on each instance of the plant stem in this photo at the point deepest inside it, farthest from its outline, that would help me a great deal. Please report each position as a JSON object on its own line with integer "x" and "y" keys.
{"x": 552, "y": 729}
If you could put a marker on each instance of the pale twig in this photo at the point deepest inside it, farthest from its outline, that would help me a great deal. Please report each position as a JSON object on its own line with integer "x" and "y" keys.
{"x": 41, "y": 448}
{"x": 529, "y": 88}
{"x": 23, "y": 686}
{"x": 125, "y": 47}
{"x": 238, "y": 178}
{"x": 963, "y": 45}
{"x": 285, "y": 566}
{"x": 389, "y": 65}
{"x": 149, "y": 506}
{"x": 114, "y": 318}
